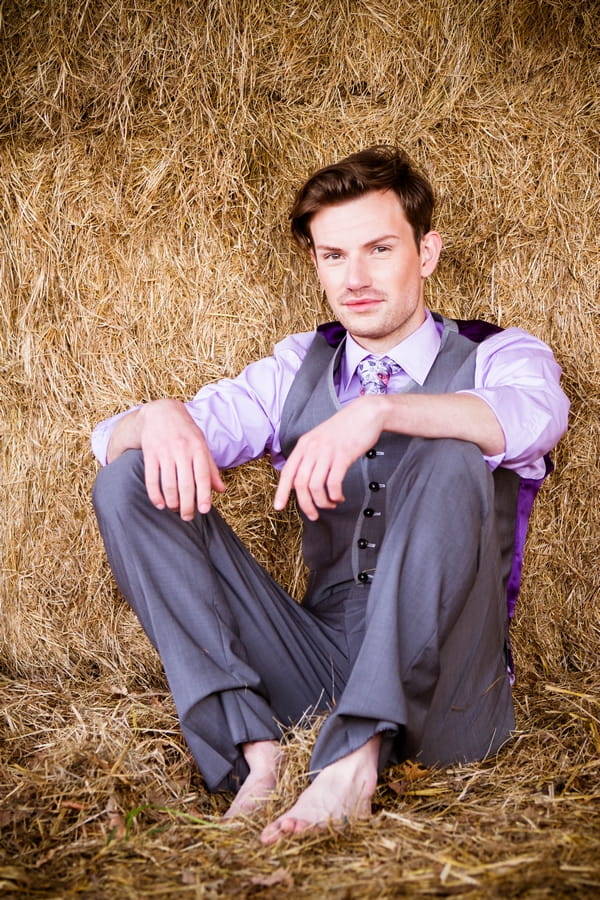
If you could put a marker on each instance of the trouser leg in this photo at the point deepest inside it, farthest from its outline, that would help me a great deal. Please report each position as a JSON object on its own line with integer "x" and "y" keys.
{"x": 430, "y": 669}
{"x": 239, "y": 654}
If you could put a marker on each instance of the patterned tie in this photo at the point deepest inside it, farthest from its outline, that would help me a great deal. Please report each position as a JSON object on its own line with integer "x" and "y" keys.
{"x": 374, "y": 374}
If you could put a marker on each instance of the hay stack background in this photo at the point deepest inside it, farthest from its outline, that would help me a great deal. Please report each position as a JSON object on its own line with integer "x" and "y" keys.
{"x": 148, "y": 157}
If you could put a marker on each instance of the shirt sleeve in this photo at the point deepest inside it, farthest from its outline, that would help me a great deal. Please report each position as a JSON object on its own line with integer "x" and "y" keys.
{"x": 517, "y": 376}
{"x": 102, "y": 433}
{"x": 239, "y": 416}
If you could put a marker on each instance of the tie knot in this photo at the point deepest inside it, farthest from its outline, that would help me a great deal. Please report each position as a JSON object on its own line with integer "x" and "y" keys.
{"x": 374, "y": 374}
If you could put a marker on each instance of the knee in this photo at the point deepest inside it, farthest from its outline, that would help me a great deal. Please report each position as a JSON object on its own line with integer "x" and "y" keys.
{"x": 454, "y": 458}
{"x": 449, "y": 453}
{"x": 453, "y": 467}
{"x": 466, "y": 467}
{"x": 118, "y": 483}
{"x": 451, "y": 458}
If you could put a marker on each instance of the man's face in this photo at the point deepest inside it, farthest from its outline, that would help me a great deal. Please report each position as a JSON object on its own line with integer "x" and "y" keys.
{"x": 370, "y": 269}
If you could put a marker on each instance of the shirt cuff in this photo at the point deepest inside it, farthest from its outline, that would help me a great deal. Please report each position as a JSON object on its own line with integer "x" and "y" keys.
{"x": 102, "y": 434}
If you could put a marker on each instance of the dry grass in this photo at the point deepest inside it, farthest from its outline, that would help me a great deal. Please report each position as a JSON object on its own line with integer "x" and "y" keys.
{"x": 148, "y": 156}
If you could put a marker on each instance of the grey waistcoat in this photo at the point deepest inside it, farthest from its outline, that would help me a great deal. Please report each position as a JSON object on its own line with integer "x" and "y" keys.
{"x": 342, "y": 544}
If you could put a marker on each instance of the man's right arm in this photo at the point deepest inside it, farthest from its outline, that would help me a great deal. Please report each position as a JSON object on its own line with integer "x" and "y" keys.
{"x": 226, "y": 424}
{"x": 180, "y": 471}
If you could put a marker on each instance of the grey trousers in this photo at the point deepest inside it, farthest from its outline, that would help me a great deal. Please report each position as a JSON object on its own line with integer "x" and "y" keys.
{"x": 417, "y": 654}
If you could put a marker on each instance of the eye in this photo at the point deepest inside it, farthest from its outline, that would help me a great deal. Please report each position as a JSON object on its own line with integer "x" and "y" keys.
{"x": 332, "y": 255}
{"x": 382, "y": 248}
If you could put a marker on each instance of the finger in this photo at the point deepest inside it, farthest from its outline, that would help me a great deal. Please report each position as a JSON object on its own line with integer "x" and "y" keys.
{"x": 186, "y": 489}
{"x": 318, "y": 488}
{"x": 203, "y": 480}
{"x": 206, "y": 478}
{"x": 169, "y": 484}
{"x": 303, "y": 491}
{"x": 286, "y": 479}
{"x": 215, "y": 477}
{"x": 152, "y": 480}
{"x": 335, "y": 480}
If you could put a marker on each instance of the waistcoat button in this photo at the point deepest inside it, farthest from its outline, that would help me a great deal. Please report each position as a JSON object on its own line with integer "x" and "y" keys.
{"x": 371, "y": 454}
{"x": 363, "y": 543}
{"x": 362, "y": 576}
{"x": 374, "y": 485}
{"x": 368, "y": 512}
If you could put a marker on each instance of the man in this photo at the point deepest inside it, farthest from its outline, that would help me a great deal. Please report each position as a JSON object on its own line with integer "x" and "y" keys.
{"x": 388, "y": 425}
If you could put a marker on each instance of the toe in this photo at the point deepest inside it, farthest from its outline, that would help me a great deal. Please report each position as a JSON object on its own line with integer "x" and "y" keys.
{"x": 271, "y": 833}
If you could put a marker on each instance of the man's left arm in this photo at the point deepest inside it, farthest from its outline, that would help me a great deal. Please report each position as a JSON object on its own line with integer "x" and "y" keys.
{"x": 515, "y": 413}
{"x": 318, "y": 464}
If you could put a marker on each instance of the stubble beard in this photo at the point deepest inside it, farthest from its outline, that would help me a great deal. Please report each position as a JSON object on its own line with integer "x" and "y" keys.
{"x": 370, "y": 326}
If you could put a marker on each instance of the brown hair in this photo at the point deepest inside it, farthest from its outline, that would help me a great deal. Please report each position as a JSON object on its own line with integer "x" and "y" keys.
{"x": 379, "y": 168}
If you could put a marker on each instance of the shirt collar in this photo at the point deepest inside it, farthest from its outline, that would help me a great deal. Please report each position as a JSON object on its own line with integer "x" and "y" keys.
{"x": 416, "y": 353}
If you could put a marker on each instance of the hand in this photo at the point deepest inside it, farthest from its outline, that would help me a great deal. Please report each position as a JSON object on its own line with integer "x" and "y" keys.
{"x": 180, "y": 471}
{"x": 316, "y": 467}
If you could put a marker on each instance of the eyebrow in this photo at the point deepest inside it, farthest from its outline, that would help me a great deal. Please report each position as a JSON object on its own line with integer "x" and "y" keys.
{"x": 378, "y": 240}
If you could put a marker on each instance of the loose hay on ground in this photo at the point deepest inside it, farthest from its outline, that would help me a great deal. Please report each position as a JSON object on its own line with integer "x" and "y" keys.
{"x": 148, "y": 155}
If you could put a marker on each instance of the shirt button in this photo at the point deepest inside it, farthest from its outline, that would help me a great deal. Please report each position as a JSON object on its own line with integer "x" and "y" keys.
{"x": 363, "y": 577}
{"x": 368, "y": 512}
{"x": 374, "y": 485}
{"x": 371, "y": 454}
{"x": 363, "y": 543}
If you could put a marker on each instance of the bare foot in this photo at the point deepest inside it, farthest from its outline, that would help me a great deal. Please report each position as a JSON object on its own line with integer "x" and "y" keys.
{"x": 340, "y": 792}
{"x": 263, "y": 758}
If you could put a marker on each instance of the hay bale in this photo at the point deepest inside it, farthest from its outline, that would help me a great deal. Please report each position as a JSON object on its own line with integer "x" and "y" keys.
{"x": 149, "y": 154}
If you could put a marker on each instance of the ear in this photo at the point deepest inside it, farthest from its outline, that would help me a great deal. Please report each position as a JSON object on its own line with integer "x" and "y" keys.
{"x": 431, "y": 247}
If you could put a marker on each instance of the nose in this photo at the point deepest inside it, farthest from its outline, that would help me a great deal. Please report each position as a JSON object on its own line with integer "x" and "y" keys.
{"x": 357, "y": 273}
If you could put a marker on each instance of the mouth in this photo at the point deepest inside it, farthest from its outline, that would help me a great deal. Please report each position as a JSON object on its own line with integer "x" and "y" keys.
{"x": 358, "y": 303}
